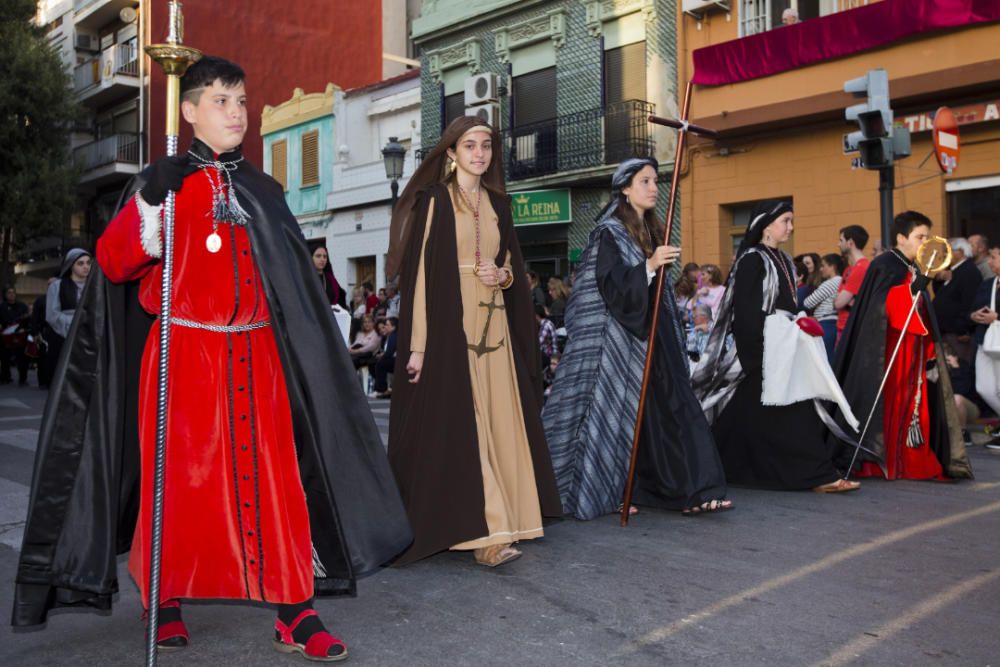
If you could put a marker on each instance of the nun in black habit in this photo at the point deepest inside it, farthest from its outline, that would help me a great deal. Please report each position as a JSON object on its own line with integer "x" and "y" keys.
{"x": 765, "y": 446}
{"x": 590, "y": 416}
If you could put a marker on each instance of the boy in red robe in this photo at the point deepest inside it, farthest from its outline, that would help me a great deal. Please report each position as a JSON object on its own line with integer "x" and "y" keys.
{"x": 261, "y": 488}
{"x": 911, "y": 435}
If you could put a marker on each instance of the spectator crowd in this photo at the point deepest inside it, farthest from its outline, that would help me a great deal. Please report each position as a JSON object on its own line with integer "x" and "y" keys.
{"x": 964, "y": 305}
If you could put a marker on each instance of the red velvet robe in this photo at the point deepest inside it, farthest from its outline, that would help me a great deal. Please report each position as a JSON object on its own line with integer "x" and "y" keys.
{"x": 236, "y": 523}
{"x": 907, "y": 378}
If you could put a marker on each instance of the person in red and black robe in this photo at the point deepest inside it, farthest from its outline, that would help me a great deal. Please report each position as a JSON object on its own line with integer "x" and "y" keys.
{"x": 269, "y": 496}
{"x": 914, "y": 431}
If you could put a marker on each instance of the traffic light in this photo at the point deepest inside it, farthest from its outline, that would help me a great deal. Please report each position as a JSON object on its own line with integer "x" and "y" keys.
{"x": 874, "y": 138}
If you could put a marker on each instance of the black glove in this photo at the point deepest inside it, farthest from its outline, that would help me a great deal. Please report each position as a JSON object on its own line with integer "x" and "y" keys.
{"x": 919, "y": 283}
{"x": 165, "y": 175}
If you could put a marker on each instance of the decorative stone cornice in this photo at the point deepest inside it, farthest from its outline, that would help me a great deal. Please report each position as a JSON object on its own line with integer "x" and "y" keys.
{"x": 551, "y": 25}
{"x": 466, "y": 52}
{"x": 301, "y": 108}
{"x": 601, "y": 11}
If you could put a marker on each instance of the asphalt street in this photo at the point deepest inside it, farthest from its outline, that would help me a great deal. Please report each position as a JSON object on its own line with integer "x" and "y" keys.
{"x": 899, "y": 573}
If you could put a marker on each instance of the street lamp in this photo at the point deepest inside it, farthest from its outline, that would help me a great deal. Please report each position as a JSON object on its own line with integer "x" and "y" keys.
{"x": 393, "y": 155}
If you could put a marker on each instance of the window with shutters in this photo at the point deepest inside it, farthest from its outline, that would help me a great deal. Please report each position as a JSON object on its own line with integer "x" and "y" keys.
{"x": 624, "y": 86}
{"x": 454, "y": 107}
{"x": 535, "y": 149}
{"x": 310, "y": 158}
{"x": 279, "y": 163}
{"x": 534, "y": 99}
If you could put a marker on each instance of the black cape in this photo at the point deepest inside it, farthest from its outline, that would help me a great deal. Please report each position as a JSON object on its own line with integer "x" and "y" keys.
{"x": 84, "y": 493}
{"x": 859, "y": 364}
{"x": 432, "y": 429}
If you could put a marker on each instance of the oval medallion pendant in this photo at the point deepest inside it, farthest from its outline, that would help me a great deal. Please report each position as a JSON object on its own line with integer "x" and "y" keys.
{"x": 213, "y": 243}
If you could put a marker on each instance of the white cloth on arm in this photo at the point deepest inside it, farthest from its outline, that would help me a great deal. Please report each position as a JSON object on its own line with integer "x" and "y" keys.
{"x": 988, "y": 379}
{"x": 150, "y": 226}
{"x": 796, "y": 367}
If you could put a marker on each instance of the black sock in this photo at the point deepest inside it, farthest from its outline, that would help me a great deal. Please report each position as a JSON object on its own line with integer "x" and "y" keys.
{"x": 168, "y": 614}
{"x": 309, "y": 626}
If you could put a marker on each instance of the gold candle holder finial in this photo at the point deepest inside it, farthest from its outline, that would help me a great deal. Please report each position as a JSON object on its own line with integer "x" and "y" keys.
{"x": 175, "y": 21}
{"x": 174, "y": 58}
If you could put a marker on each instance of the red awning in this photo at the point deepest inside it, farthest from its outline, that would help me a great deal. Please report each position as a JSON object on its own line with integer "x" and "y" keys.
{"x": 834, "y": 36}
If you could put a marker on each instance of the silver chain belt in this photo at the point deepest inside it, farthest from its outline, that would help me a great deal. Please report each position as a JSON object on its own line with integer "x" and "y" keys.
{"x": 220, "y": 328}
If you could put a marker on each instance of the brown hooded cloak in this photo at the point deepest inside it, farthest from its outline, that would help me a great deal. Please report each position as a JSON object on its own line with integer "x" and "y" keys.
{"x": 433, "y": 441}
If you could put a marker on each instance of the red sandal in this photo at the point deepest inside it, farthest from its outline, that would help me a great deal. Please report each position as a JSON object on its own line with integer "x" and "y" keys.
{"x": 170, "y": 636}
{"x": 316, "y": 649}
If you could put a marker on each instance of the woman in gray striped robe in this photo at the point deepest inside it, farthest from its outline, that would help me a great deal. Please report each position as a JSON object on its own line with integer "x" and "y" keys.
{"x": 590, "y": 415}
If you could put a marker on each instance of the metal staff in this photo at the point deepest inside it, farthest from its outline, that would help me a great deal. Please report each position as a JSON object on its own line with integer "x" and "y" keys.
{"x": 174, "y": 58}
{"x": 683, "y": 127}
{"x": 927, "y": 269}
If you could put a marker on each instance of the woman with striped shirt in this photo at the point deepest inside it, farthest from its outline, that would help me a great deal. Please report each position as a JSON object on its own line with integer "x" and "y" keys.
{"x": 820, "y": 301}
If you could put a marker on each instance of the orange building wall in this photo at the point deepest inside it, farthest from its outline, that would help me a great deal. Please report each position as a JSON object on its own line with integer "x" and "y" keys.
{"x": 784, "y": 135}
{"x": 281, "y": 46}
{"x": 828, "y": 194}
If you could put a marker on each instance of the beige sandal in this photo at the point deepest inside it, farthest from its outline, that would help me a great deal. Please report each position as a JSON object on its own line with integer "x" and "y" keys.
{"x": 840, "y": 486}
{"x": 496, "y": 555}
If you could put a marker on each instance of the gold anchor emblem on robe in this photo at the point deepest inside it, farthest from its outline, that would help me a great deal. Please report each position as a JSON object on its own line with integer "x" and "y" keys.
{"x": 481, "y": 347}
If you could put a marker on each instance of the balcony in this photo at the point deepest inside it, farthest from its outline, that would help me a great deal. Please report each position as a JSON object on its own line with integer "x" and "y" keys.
{"x": 795, "y": 75}
{"x": 92, "y": 15}
{"x": 579, "y": 141}
{"x": 576, "y": 142}
{"x": 861, "y": 28}
{"x": 108, "y": 160}
{"x": 110, "y": 77}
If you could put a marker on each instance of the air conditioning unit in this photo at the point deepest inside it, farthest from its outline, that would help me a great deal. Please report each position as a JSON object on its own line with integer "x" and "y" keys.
{"x": 86, "y": 42}
{"x": 481, "y": 88}
{"x": 698, "y": 8}
{"x": 488, "y": 113}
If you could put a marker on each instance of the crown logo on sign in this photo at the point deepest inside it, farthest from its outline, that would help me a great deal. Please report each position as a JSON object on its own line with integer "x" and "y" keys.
{"x": 523, "y": 199}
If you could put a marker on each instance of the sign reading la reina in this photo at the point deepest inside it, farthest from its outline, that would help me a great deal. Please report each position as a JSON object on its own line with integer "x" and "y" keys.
{"x": 541, "y": 207}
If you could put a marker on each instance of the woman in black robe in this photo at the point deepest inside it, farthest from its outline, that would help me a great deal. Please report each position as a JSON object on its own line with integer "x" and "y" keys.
{"x": 765, "y": 446}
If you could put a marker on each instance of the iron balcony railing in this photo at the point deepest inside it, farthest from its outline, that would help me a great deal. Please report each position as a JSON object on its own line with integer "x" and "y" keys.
{"x": 120, "y": 59}
{"x": 127, "y": 58}
{"x": 116, "y": 148}
{"x": 591, "y": 138}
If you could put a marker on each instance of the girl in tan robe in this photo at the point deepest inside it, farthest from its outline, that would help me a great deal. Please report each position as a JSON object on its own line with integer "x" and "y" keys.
{"x": 502, "y": 431}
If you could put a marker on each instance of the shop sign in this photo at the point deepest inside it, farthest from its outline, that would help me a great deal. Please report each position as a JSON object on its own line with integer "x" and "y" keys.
{"x": 541, "y": 207}
{"x": 968, "y": 114}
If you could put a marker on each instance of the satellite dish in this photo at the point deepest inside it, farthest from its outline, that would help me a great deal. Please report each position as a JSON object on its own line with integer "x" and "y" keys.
{"x": 933, "y": 255}
{"x": 128, "y": 15}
